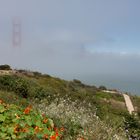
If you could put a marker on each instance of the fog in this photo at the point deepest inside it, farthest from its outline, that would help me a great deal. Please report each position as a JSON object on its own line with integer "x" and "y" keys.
{"x": 87, "y": 39}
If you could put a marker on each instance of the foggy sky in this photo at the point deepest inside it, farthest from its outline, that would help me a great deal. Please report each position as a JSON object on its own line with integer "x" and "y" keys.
{"x": 68, "y": 38}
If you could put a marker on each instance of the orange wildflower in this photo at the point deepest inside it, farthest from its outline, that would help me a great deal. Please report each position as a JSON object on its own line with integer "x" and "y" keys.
{"x": 53, "y": 137}
{"x": 25, "y": 130}
{"x": 45, "y": 136}
{"x": 49, "y": 128}
{"x": 36, "y": 129}
{"x": 27, "y": 110}
{"x": 45, "y": 120}
{"x": 1, "y": 101}
{"x": 16, "y": 129}
{"x": 56, "y": 134}
{"x": 56, "y": 129}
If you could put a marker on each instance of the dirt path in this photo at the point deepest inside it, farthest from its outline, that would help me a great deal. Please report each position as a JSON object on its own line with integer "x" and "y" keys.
{"x": 128, "y": 103}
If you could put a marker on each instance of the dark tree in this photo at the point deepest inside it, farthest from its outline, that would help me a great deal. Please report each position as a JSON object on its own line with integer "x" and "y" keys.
{"x": 5, "y": 67}
{"x": 102, "y": 88}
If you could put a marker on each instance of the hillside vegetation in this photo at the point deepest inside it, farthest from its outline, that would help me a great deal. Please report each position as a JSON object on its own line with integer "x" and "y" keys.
{"x": 19, "y": 123}
{"x": 84, "y": 112}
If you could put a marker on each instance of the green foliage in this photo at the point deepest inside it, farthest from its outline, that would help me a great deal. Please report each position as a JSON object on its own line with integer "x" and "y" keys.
{"x": 136, "y": 102}
{"x": 18, "y": 123}
{"x": 21, "y": 86}
{"x": 12, "y": 98}
{"x": 5, "y": 67}
{"x": 37, "y": 74}
{"x": 72, "y": 128}
{"x": 39, "y": 93}
{"x": 132, "y": 126}
{"x": 77, "y": 81}
{"x": 115, "y": 96}
{"x": 14, "y": 83}
{"x": 102, "y": 88}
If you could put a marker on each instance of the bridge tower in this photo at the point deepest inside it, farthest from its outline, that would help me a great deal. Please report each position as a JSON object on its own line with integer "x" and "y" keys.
{"x": 16, "y": 37}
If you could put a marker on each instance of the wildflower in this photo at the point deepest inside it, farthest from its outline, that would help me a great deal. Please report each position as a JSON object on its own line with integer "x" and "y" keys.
{"x": 56, "y": 129}
{"x": 25, "y": 130}
{"x": 16, "y": 129}
{"x": 36, "y": 129}
{"x": 57, "y": 134}
{"x": 53, "y": 137}
{"x": 1, "y": 101}
{"x": 62, "y": 129}
{"x": 45, "y": 120}
{"x": 27, "y": 110}
{"x": 45, "y": 136}
{"x": 49, "y": 128}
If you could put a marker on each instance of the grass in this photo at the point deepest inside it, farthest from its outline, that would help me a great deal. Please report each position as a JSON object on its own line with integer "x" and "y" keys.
{"x": 108, "y": 96}
{"x": 136, "y": 102}
{"x": 12, "y": 98}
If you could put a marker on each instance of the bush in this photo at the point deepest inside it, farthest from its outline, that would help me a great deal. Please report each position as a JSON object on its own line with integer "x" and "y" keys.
{"x": 21, "y": 87}
{"x": 77, "y": 81}
{"x": 102, "y": 88}
{"x": 132, "y": 127}
{"x": 5, "y": 67}
{"x": 39, "y": 93}
{"x": 16, "y": 84}
{"x": 38, "y": 74}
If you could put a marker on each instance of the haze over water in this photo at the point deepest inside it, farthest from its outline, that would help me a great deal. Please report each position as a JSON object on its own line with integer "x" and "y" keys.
{"x": 124, "y": 84}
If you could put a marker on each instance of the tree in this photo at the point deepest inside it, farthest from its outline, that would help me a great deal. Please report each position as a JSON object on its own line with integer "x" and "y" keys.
{"x": 102, "y": 88}
{"x": 5, "y": 67}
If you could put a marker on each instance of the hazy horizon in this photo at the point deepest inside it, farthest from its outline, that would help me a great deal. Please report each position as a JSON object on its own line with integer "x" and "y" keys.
{"x": 89, "y": 38}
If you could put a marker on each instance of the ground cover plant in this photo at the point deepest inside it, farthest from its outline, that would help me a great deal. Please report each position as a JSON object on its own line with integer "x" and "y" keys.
{"x": 18, "y": 123}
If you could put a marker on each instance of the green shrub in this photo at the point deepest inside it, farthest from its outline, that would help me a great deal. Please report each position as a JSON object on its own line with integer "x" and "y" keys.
{"x": 132, "y": 126}
{"x": 102, "y": 88}
{"x": 5, "y": 67}
{"x": 14, "y": 83}
{"x": 39, "y": 93}
{"x": 22, "y": 87}
{"x": 18, "y": 123}
{"x": 37, "y": 74}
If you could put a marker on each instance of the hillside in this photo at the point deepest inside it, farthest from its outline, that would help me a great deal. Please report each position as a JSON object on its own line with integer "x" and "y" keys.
{"x": 85, "y": 112}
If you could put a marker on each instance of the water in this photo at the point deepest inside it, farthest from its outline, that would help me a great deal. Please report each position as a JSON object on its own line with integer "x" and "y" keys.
{"x": 130, "y": 84}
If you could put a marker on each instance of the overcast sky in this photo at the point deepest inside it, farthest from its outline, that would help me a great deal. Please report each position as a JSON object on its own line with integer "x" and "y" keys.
{"x": 69, "y": 38}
